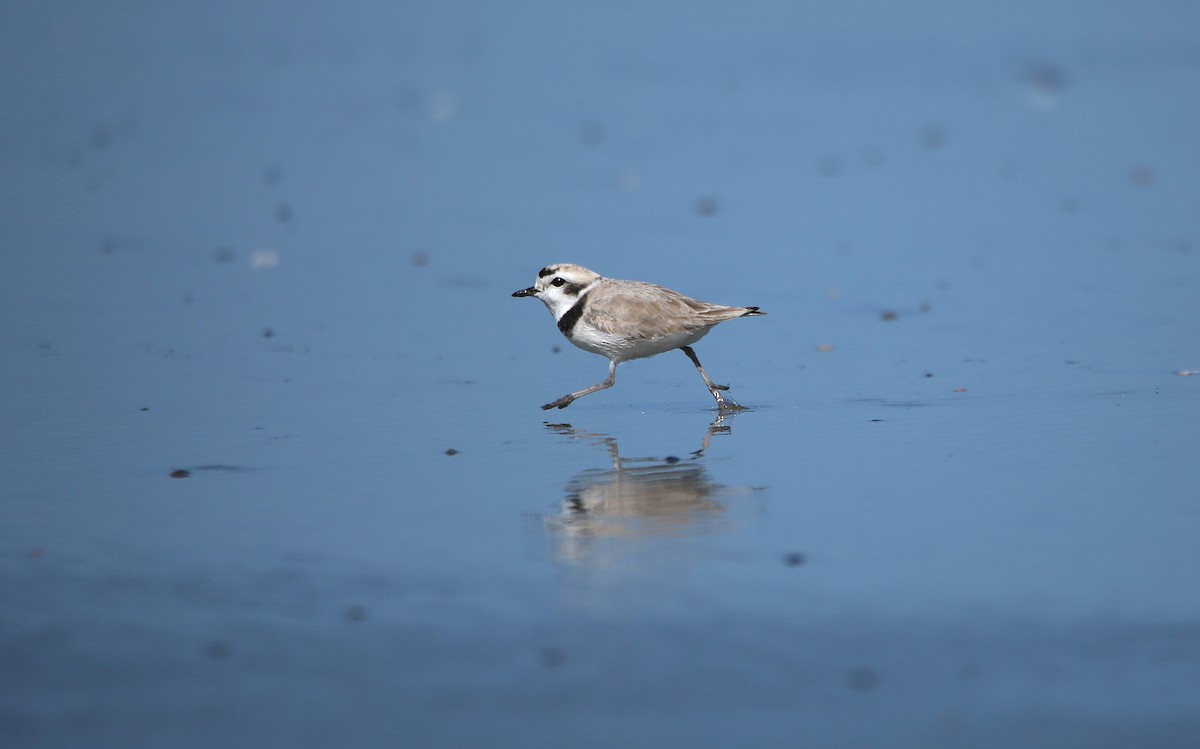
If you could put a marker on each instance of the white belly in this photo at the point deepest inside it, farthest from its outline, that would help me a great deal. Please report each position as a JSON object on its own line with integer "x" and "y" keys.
{"x": 621, "y": 349}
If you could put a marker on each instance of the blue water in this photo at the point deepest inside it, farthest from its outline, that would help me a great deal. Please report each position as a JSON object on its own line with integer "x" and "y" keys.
{"x": 270, "y": 250}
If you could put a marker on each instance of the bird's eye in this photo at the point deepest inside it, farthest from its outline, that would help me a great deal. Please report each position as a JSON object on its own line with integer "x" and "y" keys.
{"x": 558, "y": 281}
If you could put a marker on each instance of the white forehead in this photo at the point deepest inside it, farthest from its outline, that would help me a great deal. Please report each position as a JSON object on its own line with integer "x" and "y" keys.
{"x": 574, "y": 274}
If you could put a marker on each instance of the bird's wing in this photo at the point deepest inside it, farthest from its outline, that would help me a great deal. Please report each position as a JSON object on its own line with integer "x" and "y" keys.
{"x": 643, "y": 311}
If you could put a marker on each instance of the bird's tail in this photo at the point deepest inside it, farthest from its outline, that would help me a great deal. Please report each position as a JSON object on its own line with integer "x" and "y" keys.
{"x": 752, "y": 311}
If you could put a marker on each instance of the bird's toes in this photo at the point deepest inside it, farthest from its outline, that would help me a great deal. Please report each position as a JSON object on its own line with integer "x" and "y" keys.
{"x": 721, "y": 387}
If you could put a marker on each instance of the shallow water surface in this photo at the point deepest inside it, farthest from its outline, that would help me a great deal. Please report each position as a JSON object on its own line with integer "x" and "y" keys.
{"x": 275, "y": 468}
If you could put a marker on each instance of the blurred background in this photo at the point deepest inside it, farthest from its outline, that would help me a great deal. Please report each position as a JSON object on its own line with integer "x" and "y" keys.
{"x": 275, "y": 472}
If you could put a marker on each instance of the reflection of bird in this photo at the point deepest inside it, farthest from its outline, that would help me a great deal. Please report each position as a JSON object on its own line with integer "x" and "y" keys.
{"x": 635, "y": 497}
{"x": 624, "y": 320}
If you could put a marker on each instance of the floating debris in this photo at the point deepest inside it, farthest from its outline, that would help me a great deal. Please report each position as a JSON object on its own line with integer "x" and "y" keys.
{"x": 1141, "y": 175}
{"x": 452, "y": 452}
{"x": 180, "y": 473}
{"x": 552, "y": 657}
{"x": 1188, "y": 372}
{"x": 794, "y": 559}
{"x": 218, "y": 650}
{"x": 1045, "y": 83}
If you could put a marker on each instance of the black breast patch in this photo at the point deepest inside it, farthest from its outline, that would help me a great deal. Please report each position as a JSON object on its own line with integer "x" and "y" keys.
{"x": 566, "y": 323}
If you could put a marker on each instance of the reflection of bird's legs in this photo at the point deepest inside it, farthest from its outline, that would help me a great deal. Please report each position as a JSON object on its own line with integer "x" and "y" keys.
{"x": 616, "y": 453}
{"x": 717, "y": 427}
{"x": 570, "y": 398}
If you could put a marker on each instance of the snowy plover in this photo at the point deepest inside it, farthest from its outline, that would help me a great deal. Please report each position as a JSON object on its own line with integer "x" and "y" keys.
{"x": 623, "y": 320}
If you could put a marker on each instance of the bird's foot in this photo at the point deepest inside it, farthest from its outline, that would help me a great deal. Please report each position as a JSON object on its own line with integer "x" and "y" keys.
{"x": 726, "y": 405}
{"x": 562, "y": 402}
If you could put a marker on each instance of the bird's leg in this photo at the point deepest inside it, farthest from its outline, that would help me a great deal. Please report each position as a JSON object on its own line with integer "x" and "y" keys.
{"x": 570, "y": 398}
{"x": 692, "y": 355}
{"x": 722, "y": 404}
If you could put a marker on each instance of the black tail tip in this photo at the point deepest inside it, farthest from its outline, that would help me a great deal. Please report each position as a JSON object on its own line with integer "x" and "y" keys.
{"x": 752, "y": 311}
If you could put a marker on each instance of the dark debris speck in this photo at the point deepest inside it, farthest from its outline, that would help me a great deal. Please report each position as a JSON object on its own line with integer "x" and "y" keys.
{"x": 933, "y": 137}
{"x": 794, "y": 559}
{"x": 180, "y": 473}
{"x": 552, "y": 657}
{"x": 218, "y": 650}
{"x": 452, "y": 452}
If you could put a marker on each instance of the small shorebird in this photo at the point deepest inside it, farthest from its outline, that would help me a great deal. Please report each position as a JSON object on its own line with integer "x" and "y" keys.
{"x": 623, "y": 320}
